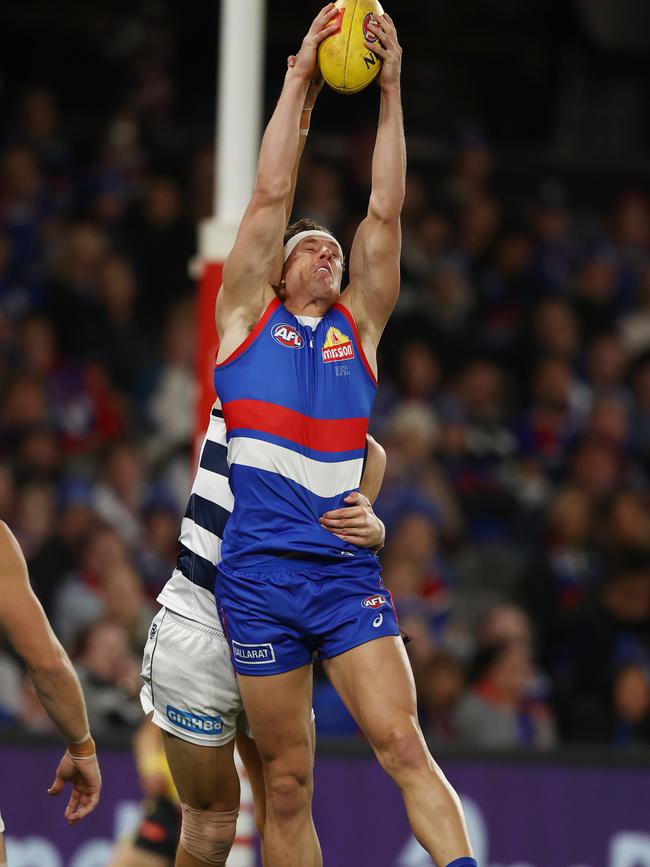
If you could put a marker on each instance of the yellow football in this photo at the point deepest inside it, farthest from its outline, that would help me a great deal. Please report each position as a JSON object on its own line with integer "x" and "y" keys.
{"x": 345, "y": 61}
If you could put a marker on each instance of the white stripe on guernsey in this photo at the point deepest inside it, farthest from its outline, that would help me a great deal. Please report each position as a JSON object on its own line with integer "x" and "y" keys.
{"x": 214, "y": 487}
{"x": 216, "y": 431}
{"x": 320, "y": 478}
{"x": 200, "y": 541}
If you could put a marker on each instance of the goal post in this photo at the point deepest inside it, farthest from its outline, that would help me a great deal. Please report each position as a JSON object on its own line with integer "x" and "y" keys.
{"x": 240, "y": 97}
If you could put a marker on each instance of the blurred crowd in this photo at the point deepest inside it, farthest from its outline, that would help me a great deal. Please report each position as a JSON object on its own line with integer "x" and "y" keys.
{"x": 514, "y": 408}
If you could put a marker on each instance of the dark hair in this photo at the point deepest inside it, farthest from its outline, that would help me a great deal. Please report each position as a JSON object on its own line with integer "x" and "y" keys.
{"x": 487, "y": 657}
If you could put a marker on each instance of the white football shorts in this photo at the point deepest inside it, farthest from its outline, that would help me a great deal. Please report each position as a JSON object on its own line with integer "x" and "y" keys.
{"x": 189, "y": 681}
{"x": 2, "y": 825}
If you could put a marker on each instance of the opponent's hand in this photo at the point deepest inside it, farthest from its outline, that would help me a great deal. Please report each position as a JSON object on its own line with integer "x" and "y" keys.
{"x": 388, "y": 48}
{"x": 356, "y": 523}
{"x": 324, "y": 24}
{"x": 86, "y": 781}
{"x": 315, "y": 85}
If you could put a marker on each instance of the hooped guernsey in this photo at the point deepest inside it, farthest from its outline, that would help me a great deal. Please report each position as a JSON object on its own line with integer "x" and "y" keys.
{"x": 296, "y": 403}
{"x": 296, "y": 400}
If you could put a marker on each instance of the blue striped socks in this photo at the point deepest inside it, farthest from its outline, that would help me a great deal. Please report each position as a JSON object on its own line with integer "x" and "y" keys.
{"x": 463, "y": 862}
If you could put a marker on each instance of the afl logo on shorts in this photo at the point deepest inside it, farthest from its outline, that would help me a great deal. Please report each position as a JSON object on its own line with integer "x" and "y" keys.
{"x": 368, "y": 34}
{"x": 374, "y": 601}
{"x": 286, "y": 335}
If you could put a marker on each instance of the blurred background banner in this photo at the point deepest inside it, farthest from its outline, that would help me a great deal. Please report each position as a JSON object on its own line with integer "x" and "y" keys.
{"x": 521, "y": 813}
{"x": 38, "y": 835}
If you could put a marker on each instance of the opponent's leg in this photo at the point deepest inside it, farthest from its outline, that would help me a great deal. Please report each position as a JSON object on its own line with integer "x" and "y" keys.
{"x": 253, "y": 764}
{"x": 279, "y": 712}
{"x": 376, "y": 684}
{"x": 208, "y": 788}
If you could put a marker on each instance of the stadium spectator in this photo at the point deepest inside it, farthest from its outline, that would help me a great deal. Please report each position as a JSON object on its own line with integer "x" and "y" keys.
{"x": 110, "y": 677}
{"x": 440, "y": 688}
{"x": 499, "y": 711}
{"x": 631, "y": 700}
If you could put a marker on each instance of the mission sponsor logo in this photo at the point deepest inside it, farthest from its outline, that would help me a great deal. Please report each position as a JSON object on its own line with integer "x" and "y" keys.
{"x": 337, "y": 346}
{"x": 253, "y": 654}
{"x": 191, "y": 722}
{"x": 286, "y": 335}
{"x": 374, "y": 601}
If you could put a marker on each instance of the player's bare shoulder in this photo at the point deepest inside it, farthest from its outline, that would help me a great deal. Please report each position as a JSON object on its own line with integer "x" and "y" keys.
{"x": 236, "y": 322}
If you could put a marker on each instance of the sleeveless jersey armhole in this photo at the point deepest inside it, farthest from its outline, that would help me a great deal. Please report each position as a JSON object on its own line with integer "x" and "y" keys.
{"x": 252, "y": 337}
{"x": 353, "y": 325}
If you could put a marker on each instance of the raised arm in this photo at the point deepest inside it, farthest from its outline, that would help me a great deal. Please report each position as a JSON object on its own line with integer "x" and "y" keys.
{"x": 374, "y": 258}
{"x": 315, "y": 86}
{"x": 55, "y": 680}
{"x": 249, "y": 267}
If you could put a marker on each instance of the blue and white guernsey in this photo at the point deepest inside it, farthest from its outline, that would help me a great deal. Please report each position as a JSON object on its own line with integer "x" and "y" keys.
{"x": 190, "y": 590}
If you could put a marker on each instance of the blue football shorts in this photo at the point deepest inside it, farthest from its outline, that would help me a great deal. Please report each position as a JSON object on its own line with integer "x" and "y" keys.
{"x": 276, "y": 621}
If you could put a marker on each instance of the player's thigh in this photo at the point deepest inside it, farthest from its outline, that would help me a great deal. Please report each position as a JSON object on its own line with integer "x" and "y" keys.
{"x": 3, "y": 851}
{"x": 128, "y": 855}
{"x": 205, "y": 777}
{"x": 278, "y": 707}
{"x": 375, "y": 682}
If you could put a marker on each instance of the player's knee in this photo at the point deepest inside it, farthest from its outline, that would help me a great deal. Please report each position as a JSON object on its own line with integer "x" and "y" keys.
{"x": 288, "y": 791}
{"x": 208, "y": 836}
{"x": 402, "y": 750}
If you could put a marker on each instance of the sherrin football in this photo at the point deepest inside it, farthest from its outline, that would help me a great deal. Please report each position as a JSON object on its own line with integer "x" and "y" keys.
{"x": 346, "y": 64}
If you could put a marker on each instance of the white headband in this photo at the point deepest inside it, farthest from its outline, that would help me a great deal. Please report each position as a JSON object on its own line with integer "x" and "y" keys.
{"x": 291, "y": 244}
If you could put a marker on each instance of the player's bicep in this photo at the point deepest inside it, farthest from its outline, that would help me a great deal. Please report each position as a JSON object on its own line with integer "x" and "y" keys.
{"x": 21, "y": 614}
{"x": 374, "y": 270}
{"x": 249, "y": 266}
{"x": 30, "y": 632}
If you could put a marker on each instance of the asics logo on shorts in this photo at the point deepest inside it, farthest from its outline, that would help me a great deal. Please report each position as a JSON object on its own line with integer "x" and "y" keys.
{"x": 207, "y": 725}
{"x": 253, "y": 654}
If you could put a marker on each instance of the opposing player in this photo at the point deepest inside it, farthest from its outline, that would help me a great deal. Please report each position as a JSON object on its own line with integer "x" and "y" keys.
{"x": 296, "y": 374}
{"x": 55, "y": 680}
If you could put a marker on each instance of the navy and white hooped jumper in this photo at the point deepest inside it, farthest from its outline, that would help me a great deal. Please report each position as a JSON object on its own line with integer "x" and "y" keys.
{"x": 296, "y": 402}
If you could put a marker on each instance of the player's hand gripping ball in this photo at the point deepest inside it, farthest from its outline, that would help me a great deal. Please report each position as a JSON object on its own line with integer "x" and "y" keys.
{"x": 345, "y": 61}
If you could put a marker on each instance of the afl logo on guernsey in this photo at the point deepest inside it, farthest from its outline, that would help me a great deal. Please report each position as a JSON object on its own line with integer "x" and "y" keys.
{"x": 286, "y": 335}
{"x": 337, "y": 346}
